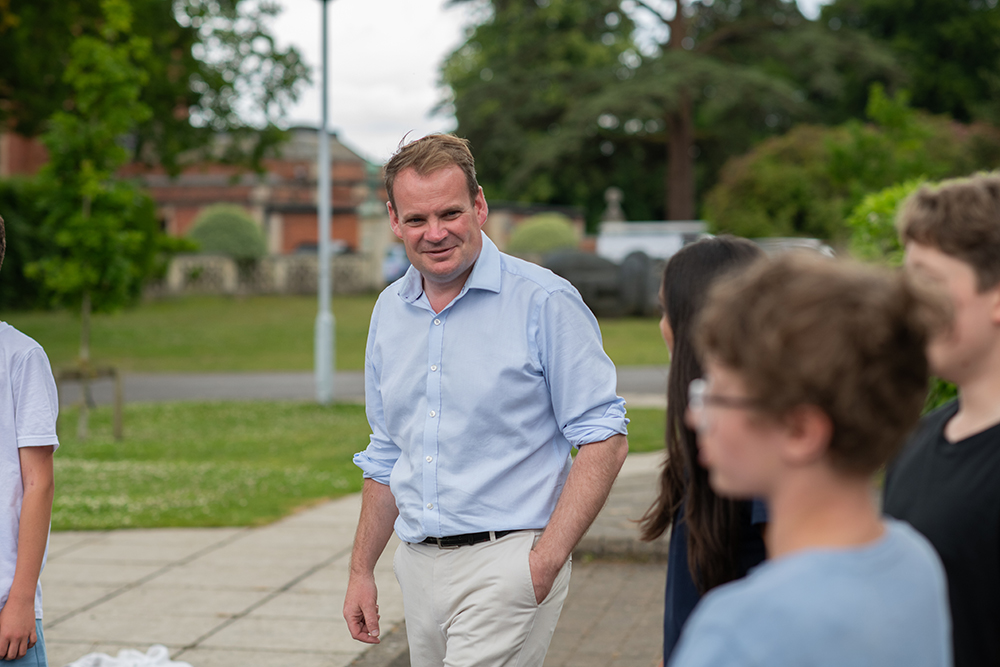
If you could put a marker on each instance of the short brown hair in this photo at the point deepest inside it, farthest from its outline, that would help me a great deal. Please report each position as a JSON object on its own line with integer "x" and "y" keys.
{"x": 848, "y": 339}
{"x": 427, "y": 155}
{"x": 961, "y": 218}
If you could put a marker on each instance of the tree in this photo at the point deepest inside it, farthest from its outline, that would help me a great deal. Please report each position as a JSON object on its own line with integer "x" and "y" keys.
{"x": 21, "y": 208}
{"x": 211, "y": 66}
{"x": 733, "y": 72}
{"x": 807, "y": 181}
{"x": 728, "y": 73}
{"x": 104, "y": 231}
{"x": 949, "y": 48}
{"x": 514, "y": 84}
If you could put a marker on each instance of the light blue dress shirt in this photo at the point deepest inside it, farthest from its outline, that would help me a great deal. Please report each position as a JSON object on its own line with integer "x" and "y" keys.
{"x": 474, "y": 410}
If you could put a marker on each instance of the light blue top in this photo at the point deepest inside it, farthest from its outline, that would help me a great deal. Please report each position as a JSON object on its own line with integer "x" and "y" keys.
{"x": 474, "y": 410}
{"x": 881, "y": 605}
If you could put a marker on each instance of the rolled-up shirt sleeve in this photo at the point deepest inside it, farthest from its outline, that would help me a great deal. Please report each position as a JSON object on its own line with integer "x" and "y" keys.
{"x": 378, "y": 460}
{"x": 581, "y": 377}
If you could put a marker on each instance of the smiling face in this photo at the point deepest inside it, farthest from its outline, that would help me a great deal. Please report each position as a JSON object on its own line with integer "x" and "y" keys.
{"x": 958, "y": 353}
{"x": 439, "y": 226}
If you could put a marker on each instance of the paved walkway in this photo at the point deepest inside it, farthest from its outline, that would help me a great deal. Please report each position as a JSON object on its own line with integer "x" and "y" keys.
{"x": 272, "y": 596}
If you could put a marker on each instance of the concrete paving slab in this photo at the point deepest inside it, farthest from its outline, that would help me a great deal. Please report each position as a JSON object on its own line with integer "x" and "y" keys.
{"x": 64, "y": 571}
{"x": 211, "y": 657}
{"x": 65, "y": 542}
{"x": 296, "y": 536}
{"x": 225, "y": 578}
{"x": 140, "y": 547}
{"x": 163, "y": 600}
{"x": 341, "y": 512}
{"x": 70, "y": 595}
{"x": 294, "y": 604}
{"x": 61, "y": 653}
{"x": 272, "y": 634}
{"x": 613, "y": 616}
{"x": 112, "y": 624}
{"x": 281, "y": 556}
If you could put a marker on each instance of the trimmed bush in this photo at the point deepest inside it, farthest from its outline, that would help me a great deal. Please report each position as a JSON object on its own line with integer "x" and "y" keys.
{"x": 226, "y": 229}
{"x": 541, "y": 234}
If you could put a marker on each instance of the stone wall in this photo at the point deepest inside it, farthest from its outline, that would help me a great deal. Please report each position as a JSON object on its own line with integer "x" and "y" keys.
{"x": 277, "y": 274}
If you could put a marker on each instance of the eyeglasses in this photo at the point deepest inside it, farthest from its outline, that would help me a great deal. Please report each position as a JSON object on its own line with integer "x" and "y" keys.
{"x": 699, "y": 398}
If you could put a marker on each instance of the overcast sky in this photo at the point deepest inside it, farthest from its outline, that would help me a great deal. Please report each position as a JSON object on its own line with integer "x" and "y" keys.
{"x": 384, "y": 58}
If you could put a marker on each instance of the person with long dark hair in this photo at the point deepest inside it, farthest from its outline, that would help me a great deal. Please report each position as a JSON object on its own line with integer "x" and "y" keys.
{"x": 713, "y": 540}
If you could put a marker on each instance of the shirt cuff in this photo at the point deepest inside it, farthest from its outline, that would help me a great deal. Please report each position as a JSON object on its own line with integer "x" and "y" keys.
{"x": 38, "y": 441}
{"x": 598, "y": 429}
{"x": 372, "y": 469}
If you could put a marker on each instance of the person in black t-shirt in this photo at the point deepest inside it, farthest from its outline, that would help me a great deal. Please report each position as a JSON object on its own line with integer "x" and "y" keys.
{"x": 946, "y": 482}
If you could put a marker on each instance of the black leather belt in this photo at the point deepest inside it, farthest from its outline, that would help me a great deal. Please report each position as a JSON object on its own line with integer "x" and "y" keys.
{"x": 455, "y": 541}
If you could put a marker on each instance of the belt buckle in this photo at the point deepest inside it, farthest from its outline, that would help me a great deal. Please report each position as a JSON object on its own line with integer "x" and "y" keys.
{"x": 442, "y": 545}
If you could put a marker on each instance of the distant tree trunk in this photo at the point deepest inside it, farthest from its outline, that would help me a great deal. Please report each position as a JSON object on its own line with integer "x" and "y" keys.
{"x": 84, "y": 360}
{"x": 680, "y": 137}
{"x": 680, "y": 161}
{"x": 88, "y": 401}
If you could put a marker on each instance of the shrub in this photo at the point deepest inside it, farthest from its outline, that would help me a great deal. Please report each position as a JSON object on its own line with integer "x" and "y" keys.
{"x": 226, "y": 229}
{"x": 874, "y": 239}
{"x": 22, "y": 211}
{"x": 541, "y": 234}
{"x": 873, "y": 224}
{"x": 806, "y": 182}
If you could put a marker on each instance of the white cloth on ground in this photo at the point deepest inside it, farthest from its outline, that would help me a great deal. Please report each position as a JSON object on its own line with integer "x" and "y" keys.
{"x": 156, "y": 656}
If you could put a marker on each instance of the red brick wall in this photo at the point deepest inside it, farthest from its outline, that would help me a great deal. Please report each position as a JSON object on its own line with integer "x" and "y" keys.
{"x": 302, "y": 228}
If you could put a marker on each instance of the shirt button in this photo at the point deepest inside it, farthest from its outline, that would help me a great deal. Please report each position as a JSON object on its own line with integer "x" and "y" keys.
{"x": 430, "y": 506}
{"x": 434, "y": 367}
{"x": 433, "y": 414}
{"x": 430, "y": 458}
{"x": 437, "y": 322}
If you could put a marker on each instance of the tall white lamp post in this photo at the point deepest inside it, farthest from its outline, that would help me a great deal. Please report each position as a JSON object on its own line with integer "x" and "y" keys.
{"x": 324, "y": 349}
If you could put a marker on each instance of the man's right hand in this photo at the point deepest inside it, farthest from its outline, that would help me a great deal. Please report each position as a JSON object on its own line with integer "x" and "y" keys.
{"x": 361, "y": 608}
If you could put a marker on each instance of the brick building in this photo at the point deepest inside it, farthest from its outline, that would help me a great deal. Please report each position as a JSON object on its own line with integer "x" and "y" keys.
{"x": 282, "y": 199}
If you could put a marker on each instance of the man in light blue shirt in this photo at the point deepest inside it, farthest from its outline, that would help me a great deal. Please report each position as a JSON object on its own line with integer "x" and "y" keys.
{"x": 482, "y": 373}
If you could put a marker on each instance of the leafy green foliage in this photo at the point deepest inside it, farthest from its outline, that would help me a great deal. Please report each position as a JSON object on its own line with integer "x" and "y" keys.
{"x": 20, "y": 207}
{"x": 542, "y": 233}
{"x": 874, "y": 239}
{"x": 515, "y": 84}
{"x": 227, "y": 229}
{"x": 560, "y": 104}
{"x": 806, "y": 182}
{"x": 206, "y": 61}
{"x": 781, "y": 188}
{"x": 106, "y": 239}
{"x": 873, "y": 224}
{"x": 939, "y": 393}
{"x": 949, "y": 49}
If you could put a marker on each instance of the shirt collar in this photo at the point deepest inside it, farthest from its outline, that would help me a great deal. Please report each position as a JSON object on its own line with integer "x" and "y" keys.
{"x": 485, "y": 274}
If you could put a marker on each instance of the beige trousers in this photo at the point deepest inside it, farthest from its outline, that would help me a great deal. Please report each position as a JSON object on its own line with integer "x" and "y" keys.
{"x": 474, "y": 606}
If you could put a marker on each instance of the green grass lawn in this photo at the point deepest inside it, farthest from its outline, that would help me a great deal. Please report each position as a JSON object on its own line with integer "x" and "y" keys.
{"x": 222, "y": 463}
{"x": 263, "y": 333}
{"x": 205, "y": 333}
